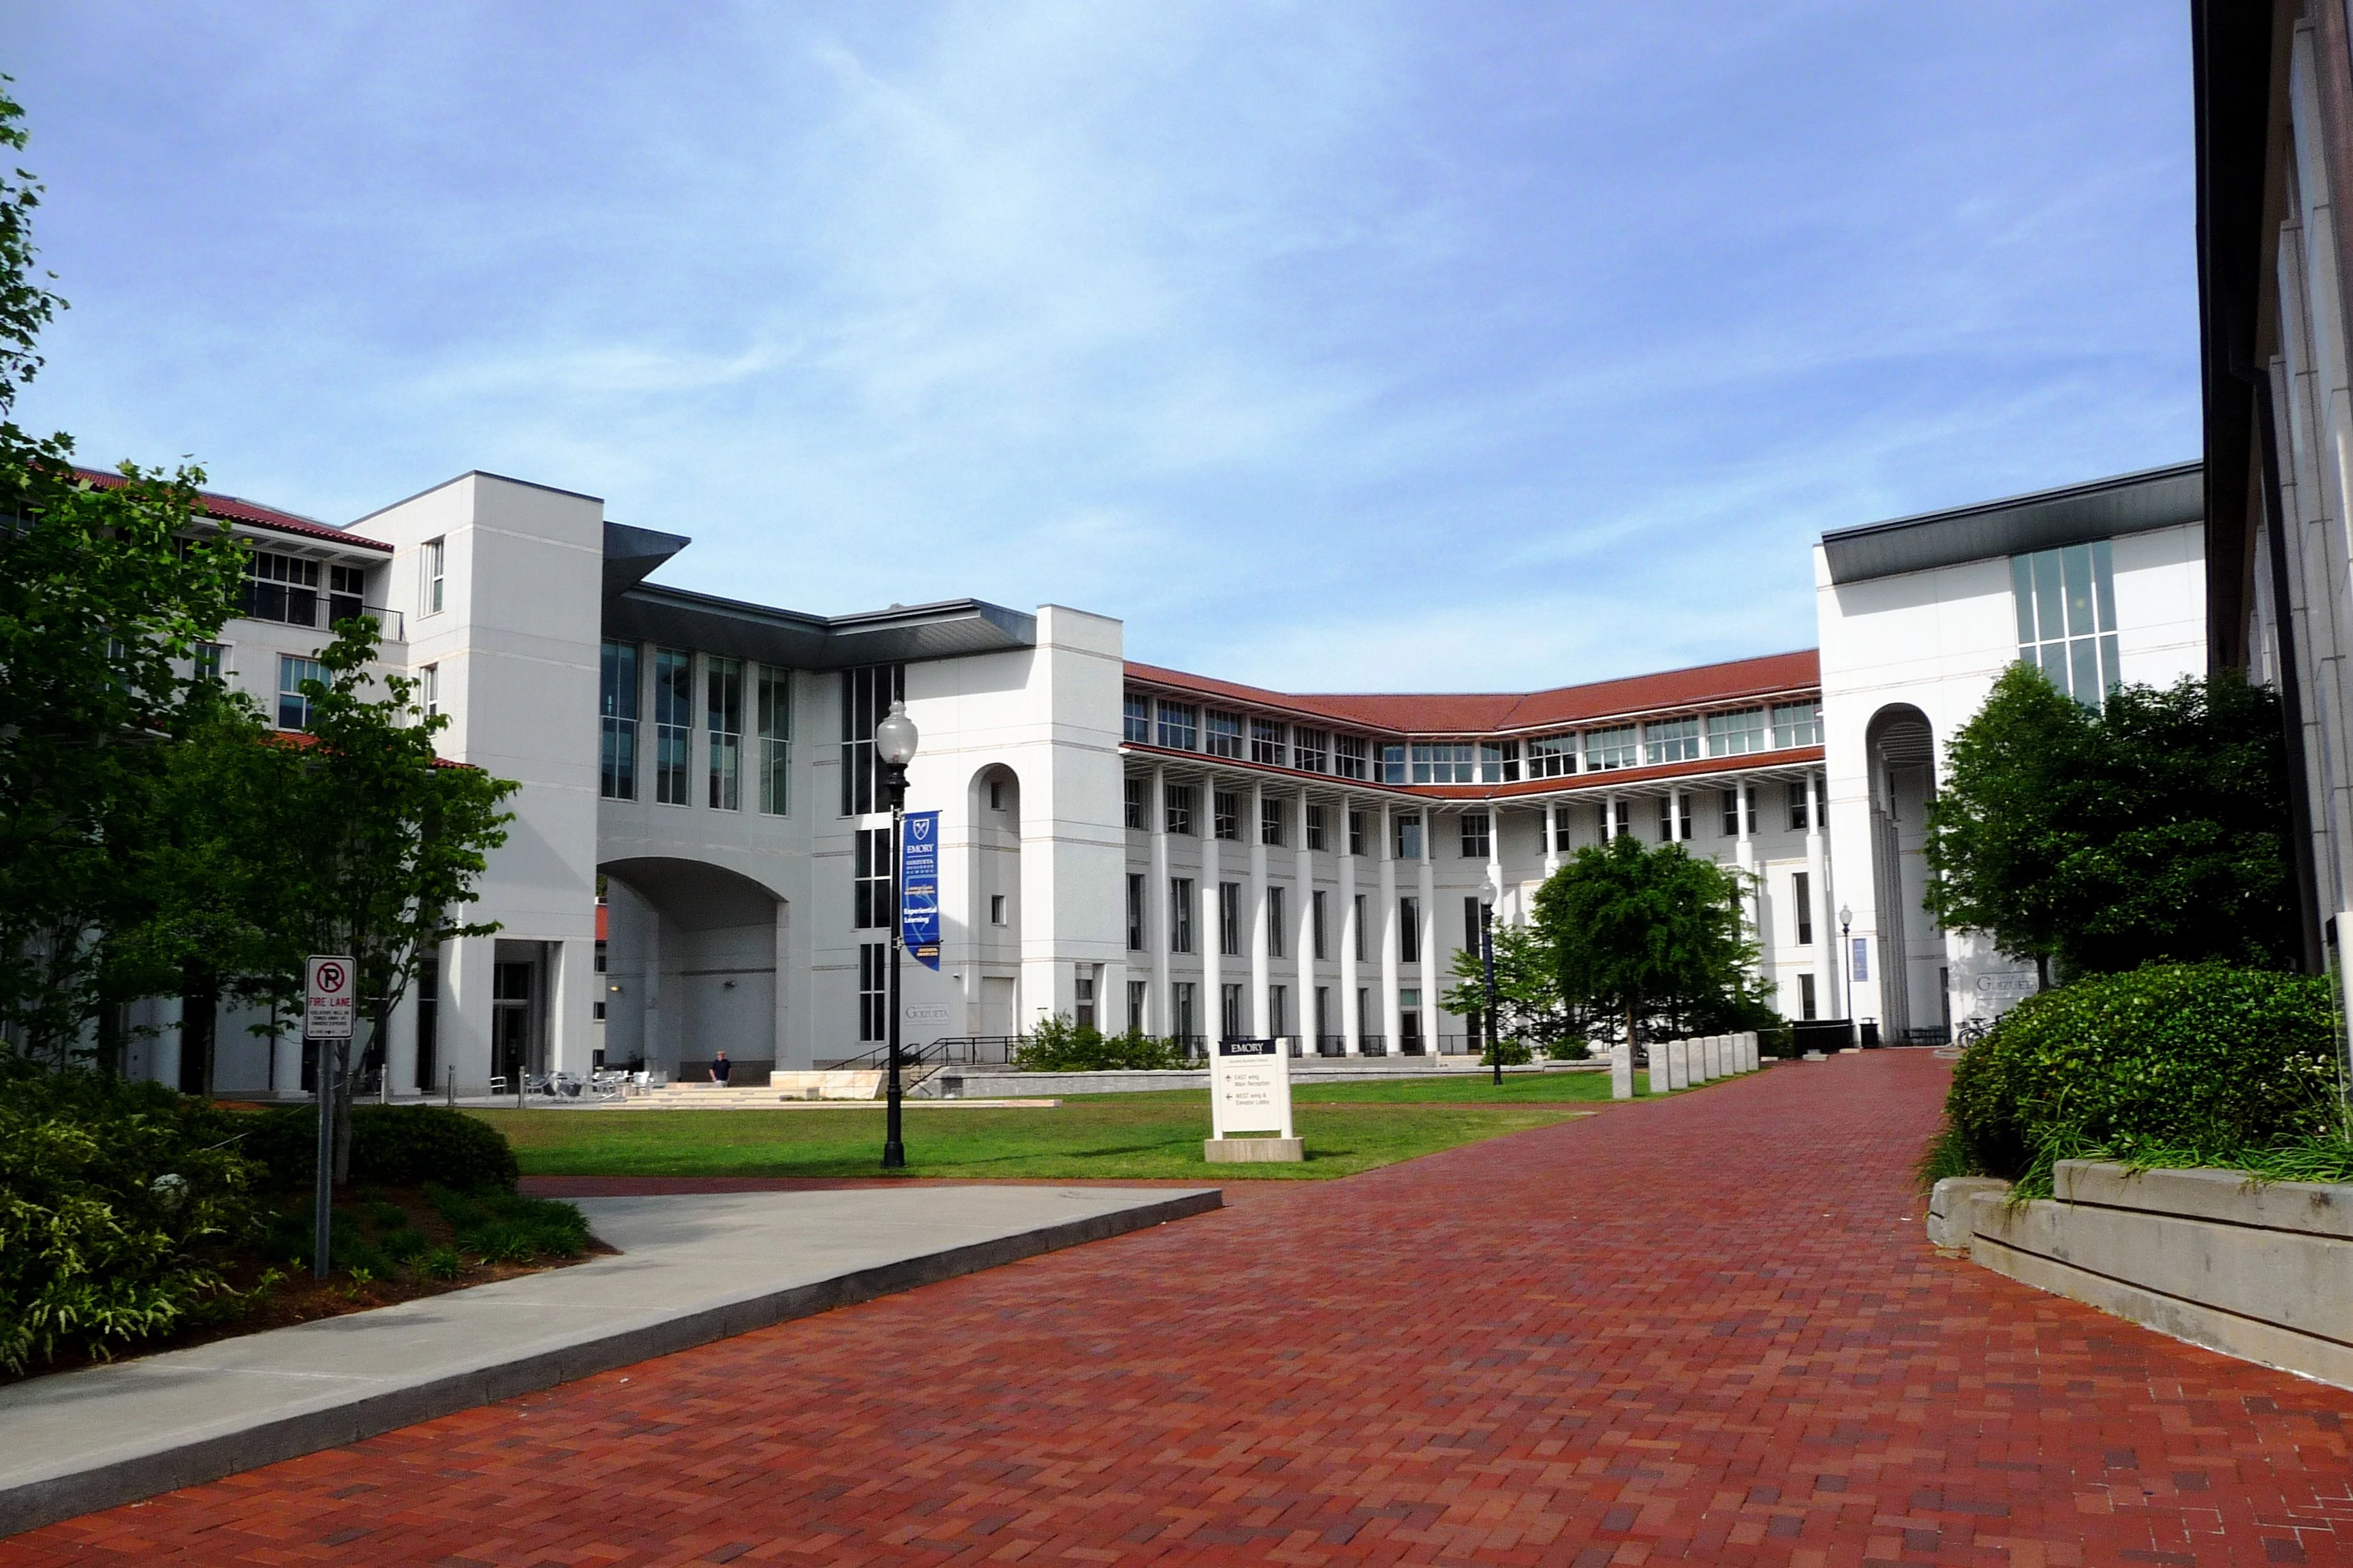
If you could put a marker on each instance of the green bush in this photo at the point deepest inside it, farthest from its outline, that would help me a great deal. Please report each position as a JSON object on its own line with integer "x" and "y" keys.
{"x": 500, "y": 1227}
{"x": 1514, "y": 1054}
{"x": 116, "y": 1202}
{"x": 1060, "y": 1046}
{"x": 2200, "y": 1060}
{"x": 392, "y": 1145}
{"x": 1569, "y": 1051}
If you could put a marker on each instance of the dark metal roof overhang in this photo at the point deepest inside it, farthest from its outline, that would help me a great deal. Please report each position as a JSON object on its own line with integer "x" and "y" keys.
{"x": 952, "y": 629}
{"x": 2105, "y": 508}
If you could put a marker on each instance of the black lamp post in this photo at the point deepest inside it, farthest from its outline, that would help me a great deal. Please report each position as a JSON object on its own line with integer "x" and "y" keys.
{"x": 1487, "y": 893}
{"x": 1846, "y": 964}
{"x": 895, "y": 747}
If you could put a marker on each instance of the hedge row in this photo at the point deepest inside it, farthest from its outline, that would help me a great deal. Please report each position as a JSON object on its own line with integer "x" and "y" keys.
{"x": 392, "y": 1146}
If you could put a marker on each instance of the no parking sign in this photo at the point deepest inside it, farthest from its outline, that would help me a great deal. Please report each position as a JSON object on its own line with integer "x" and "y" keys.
{"x": 329, "y": 997}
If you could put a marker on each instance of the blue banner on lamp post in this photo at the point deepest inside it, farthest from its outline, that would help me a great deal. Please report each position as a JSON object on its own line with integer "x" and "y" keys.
{"x": 919, "y": 885}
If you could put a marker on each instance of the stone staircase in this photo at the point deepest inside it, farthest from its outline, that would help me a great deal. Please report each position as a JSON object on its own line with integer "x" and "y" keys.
{"x": 834, "y": 1084}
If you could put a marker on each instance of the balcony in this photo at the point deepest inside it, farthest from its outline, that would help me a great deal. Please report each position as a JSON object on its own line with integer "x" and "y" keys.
{"x": 293, "y": 606}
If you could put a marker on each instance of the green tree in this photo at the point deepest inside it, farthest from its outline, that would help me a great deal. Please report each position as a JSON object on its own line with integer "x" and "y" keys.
{"x": 1529, "y": 1006}
{"x": 105, "y": 589}
{"x": 1649, "y": 940}
{"x": 2094, "y": 842}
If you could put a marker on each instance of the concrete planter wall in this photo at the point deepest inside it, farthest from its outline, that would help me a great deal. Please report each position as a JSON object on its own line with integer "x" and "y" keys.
{"x": 2263, "y": 1272}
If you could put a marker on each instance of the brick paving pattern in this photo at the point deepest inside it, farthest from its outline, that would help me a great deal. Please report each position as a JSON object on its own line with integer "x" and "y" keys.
{"x": 1705, "y": 1330}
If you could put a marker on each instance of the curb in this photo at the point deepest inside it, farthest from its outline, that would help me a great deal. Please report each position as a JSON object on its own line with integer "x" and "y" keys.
{"x": 28, "y": 1505}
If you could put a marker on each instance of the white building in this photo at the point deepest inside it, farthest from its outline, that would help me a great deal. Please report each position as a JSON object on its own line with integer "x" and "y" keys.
{"x": 1121, "y": 842}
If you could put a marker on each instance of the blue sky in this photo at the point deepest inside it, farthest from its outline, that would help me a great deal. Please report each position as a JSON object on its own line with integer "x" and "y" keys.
{"x": 1351, "y": 346}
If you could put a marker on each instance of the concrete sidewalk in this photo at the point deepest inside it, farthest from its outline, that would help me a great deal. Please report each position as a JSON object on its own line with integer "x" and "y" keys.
{"x": 691, "y": 1270}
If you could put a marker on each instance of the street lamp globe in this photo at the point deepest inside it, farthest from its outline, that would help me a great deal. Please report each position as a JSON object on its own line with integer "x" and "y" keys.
{"x": 1846, "y": 916}
{"x": 895, "y": 738}
{"x": 1488, "y": 892}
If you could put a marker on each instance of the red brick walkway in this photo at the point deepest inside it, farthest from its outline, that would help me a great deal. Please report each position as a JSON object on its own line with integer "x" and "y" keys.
{"x": 1706, "y": 1329}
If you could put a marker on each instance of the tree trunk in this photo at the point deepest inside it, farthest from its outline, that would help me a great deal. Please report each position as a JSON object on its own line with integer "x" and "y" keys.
{"x": 199, "y": 1027}
{"x": 343, "y": 1108}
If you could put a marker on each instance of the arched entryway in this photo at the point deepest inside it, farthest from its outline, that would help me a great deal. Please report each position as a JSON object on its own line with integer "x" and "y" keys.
{"x": 691, "y": 968}
{"x": 1900, "y": 746}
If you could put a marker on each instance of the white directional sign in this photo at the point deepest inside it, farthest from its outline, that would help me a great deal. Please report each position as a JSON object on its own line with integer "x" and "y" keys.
{"x": 1250, "y": 1088}
{"x": 329, "y": 997}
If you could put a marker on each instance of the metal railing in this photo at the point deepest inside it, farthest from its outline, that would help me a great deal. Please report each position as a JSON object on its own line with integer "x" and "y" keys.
{"x": 292, "y": 606}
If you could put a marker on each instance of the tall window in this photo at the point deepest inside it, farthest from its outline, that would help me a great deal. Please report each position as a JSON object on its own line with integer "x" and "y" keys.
{"x": 1736, "y": 734}
{"x": 293, "y": 704}
{"x": 1356, "y": 832}
{"x": 873, "y": 990}
{"x": 1278, "y": 1011}
{"x": 1357, "y": 945}
{"x": 211, "y": 662}
{"x": 1805, "y": 996}
{"x": 1476, "y": 834}
{"x": 1132, "y": 802}
{"x": 1406, "y": 830}
{"x": 1314, "y": 826}
{"x": 870, "y": 879}
{"x": 1409, "y": 1020}
{"x": 1613, "y": 747}
{"x": 1471, "y": 911}
{"x": 1551, "y": 756}
{"x": 1560, "y": 828}
{"x": 1499, "y": 761}
{"x": 1673, "y": 824}
{"x": 1180, "y": 914}
{"x": 1230, "y": 1012}
{"x": 1135, "y": 723}
{"x": 1275, "y": 922}
{"x": 1229, "y": 918}
{"x": 1796, "y": 791}
{"x": 673, "y": 722}
{"x": 1266, "y": 741}
{"x": 1672, "y": 739}
{"x": 867, "y": 694}
{"x": 1136, "y": 996}
{"x": 1309, "y": 749}
{"x": 776, "y": 739}
{"x": 1445, "y": 761}
{"x": 1134, "y": 911}
{"x": 1348, "y": 758}
{"x": 1797, "y": 724}
{"x": 1177, "y": 730}
{"x": 1181, "y": 1004}
{"x": 2067, "y": 617}
{"x": 618, "y": 703}
{"x": 1320, "y": 944}
{"x": 1732, "y": 802}
{"x": 723, "y": 685}
{"x": 346, "y": 590}
{"x": 1390, "y": 769}
{"x": 1271, "y": 815}
{"x": 1226, "y": 814}
{"x": 428, "y": 689}
{"x": 1225, "y": 733}
{"x": 1802, "y": 893}
{"x": 433, "y": 561}
{"x": 1178, "y": 802}
{"x": 1409, "y": 931}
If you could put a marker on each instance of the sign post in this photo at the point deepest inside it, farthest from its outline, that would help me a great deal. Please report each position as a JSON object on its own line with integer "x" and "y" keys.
{"x": 330, "y": 1003}
{"x": 1250, "y": 1091}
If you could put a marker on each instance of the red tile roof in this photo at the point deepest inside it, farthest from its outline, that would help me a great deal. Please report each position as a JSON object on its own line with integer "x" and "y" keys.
{"x": 1794, "y": 674}
{"x": 231, "y": 509}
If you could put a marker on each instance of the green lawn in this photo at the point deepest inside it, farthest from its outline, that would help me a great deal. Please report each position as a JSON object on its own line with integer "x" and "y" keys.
{"x": 1120, "y": 1136}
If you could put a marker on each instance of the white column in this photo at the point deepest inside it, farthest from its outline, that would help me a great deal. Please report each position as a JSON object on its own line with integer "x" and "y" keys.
{"x": 1391, "y": 1022}
{"x": 786, "y": 1060}
{"x": 1426, "y": 885}
{"x": 1303, "y": 921}
{"x": 1160, "y": 1008}
{"x": 1352, "y": 1023}
{"x": 1260, "y": 968}
{"x": 1744, "y": 855}
{"x": 1828, "y": 960}
{"x": 1205, "y": 929}
{"x": 1678, "y": 814}
{"x": 1609, "y": 817}
{"x": 1496, "y": 862}
{"x": 1552, "y": 844}
{"x": 463, "y": 1023}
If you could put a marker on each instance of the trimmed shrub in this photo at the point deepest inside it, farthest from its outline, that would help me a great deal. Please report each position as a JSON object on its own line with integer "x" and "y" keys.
{"x": 1059, "y": 1046}
{"x": 2201, "y": 1059}
{"x": 1514, "y": 1054}
{"x": 116, "y": 1202}
{"x": 392, "y": 1145}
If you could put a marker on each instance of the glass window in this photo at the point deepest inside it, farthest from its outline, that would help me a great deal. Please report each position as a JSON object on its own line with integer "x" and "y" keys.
{"x": 1179, "y": 800}
{"x": 1476, "y": 834}
{"x": 867, "y": 694}
{"x": 1499, "y": 761}
{"x": 618, "y": 703}
{"x": 1406, "y": 835}
{"x": 2066, "y": 601}
{"x": 776, "y": 739}
{"x": 873, "y": 981}
{"x": 1266, "y": 741}
{"x": 211, "y": 662}
{"x": 1309, "y": 747}
{"x": 1737, "y": 733}
{"x": 673, "y": 722}
{"x": 1133, "y": 801}
{"x": 429, "y": 691}
{"x": 1136, "y": 723}
{"x": 1348, "y": 758}
{"x": 432, "y": 560}
{"x": 1176, "y": 726}
{"x": 1672, "y": 739}
{"x": 1134, "y": 911}
{"x": 869, "y": 874}
{"x": 1229, "y": 918}
{"x": 1551, "y": 756}
{"x": 1801, "y": 895}
{"x": 1392, "y": 763}
{"x": 1272, "y": 819}
{"x": 1224, "y": 734}
{"x": 1356, "y": 832}
{"x": 723, "y": 688}
{"x": 1314, "y": 826}
{"x": 1614, "y": 748}
{"x": 1274, "y": 920}
{"x": 1226, "y": 814}
{"x": 1319, "y": 944}
{"x": 1409, "y": 931}
{"x": 1180, "y": 914}
{"x": 1445, "y": 761}
{"x": 1797, "y": 724}
{"x": 293, "y": 702}
{"x": 1356, "y": 936}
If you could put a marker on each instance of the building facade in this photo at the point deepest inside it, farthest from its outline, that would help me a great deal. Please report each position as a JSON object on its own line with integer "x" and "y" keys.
{"x": 700, "y": 856}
